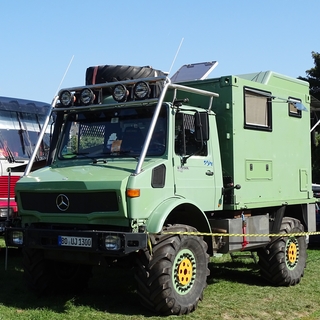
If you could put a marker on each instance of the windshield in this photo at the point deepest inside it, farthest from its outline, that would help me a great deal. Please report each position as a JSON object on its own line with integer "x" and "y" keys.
{"x": 113, "y": 133}
{"x": 19, "y": 133}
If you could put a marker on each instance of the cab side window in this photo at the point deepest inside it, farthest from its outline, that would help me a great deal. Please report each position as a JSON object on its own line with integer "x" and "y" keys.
{"x": 186, "y": 143}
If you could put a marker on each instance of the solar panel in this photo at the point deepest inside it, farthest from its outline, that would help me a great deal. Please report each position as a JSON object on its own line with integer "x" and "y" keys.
{"x": 194, "y": 71}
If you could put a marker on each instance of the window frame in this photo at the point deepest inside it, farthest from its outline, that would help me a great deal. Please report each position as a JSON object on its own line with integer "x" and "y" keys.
{"x": 186, "y": 147}
{"x": 298, "y": 113}
{"x": 258, "y": 93}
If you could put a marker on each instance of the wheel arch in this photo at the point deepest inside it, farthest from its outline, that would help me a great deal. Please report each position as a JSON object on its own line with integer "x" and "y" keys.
{"x": 305, "y": 213}
{"x": 178, "y": 211}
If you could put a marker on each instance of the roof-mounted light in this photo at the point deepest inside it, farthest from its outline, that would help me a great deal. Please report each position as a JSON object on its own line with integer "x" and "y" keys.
{"x": 141, "y": 90}
{"x": 120, "y": 93}
{"x": 87, "y": 96}
{"x": 66, "y": 98}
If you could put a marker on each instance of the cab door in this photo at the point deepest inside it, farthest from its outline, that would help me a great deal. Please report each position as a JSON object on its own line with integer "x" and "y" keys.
{"x": 194, "y": 171}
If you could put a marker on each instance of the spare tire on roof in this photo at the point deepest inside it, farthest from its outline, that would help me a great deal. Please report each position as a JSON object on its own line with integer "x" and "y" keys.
{"x": 111, "y": 73}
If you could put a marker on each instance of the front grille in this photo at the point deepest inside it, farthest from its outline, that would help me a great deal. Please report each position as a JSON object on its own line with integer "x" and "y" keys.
{"x": 78, "y": 202}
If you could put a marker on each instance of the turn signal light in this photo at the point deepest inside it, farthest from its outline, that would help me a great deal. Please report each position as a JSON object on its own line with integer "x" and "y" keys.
{"x": 133, "y": 193}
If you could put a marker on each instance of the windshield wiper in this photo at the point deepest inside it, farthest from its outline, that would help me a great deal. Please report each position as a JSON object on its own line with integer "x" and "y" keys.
{"x": 74, "y": 155}
{"x": 99, "y": 160}
{"x": 120, "y": 153}
{"x": 128, "y": 153}
{"x": 94, "y": 160}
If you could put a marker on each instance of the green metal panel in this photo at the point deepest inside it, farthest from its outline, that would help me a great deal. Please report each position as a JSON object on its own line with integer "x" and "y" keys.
{"x": 258, "y": 170}
{"x": 304, "y": 180}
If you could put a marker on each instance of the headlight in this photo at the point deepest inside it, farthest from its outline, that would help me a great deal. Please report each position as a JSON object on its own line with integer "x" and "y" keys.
{"x": 120, "y": 93}
{"x": 17, "y": 237}
{"x": 66, "y": 98}
{"x": 141, "y": 90}
{"x": 4, "y": 212}
{"x": 112, "y": 243}
{"x": 87, "y": 96}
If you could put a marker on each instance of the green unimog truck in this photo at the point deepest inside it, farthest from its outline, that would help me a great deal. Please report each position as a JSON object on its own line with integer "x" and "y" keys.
{"x": 169, "y": 174}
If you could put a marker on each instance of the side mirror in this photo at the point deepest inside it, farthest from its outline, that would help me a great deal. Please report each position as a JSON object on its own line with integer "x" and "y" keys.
{"x": 202, "y": 126}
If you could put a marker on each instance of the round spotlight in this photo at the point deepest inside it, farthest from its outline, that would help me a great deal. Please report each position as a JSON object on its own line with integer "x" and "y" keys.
{"x": 120, "y": 93}
{"x": 87, "y": 96}
{"x": 141, "y": 90}
{"x": 66, "y": 98}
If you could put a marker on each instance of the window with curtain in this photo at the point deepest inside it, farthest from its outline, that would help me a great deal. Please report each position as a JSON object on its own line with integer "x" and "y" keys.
{"x": 257, "y": 110}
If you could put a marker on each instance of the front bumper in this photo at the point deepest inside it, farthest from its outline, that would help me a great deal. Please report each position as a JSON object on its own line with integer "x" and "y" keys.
{"x": 51, "y": 240}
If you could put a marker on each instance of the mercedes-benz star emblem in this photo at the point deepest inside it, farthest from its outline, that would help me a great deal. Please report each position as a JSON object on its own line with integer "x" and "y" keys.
{"x": 62, "y": 202}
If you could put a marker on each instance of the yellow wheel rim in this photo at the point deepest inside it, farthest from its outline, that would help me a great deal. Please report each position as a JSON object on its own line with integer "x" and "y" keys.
{"x": 185, "y": 272}
{"x": 292, "y": 253}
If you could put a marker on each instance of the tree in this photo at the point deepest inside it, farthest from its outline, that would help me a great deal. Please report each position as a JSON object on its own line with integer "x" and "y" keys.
{"x": 313, "y": 77}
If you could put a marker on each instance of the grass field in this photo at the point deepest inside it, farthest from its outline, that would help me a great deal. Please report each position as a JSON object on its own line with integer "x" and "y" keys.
{"x": 235, "y": 291}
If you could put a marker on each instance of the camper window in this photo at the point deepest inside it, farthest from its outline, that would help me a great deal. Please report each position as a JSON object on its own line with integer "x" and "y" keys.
{"x": 257, "y": 110}
{"x": 293, "y": 111}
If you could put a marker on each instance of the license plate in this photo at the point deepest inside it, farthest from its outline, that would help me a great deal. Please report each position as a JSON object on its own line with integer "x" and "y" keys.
{"x": 74, "y": 241}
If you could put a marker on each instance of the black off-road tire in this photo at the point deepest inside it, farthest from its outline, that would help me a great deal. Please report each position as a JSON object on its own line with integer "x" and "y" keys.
{"x": 172, "y": 278}
{"x": 111, "y": 73}
{"x": 283, "y": 261}
{"x": 48, "y": 277}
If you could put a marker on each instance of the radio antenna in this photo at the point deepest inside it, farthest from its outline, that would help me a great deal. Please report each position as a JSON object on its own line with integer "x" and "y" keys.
{"x": 175, "y": 57}
{"x": 64, "y": 75}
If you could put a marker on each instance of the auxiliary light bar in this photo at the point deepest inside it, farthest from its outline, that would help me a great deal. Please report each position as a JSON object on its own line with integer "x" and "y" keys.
{"x": 121, "y": 92}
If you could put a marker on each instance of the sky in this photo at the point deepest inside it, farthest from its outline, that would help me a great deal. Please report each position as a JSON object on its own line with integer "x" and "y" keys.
{"x": 47, "y": 45}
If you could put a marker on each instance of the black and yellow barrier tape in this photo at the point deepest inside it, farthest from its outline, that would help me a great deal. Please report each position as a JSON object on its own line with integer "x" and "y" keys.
{"x": 295, "y": 234}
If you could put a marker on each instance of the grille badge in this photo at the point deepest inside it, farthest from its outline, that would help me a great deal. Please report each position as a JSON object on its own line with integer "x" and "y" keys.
{"x": 62, "y": 202}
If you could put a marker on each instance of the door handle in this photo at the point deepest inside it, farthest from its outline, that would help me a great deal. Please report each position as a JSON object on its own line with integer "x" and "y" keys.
{"x": 209, "y": 173}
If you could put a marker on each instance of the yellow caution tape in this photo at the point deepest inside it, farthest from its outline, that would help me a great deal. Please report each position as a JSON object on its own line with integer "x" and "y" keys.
{"x": 149, "y": 245}
{"x": 296, "y": 234}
